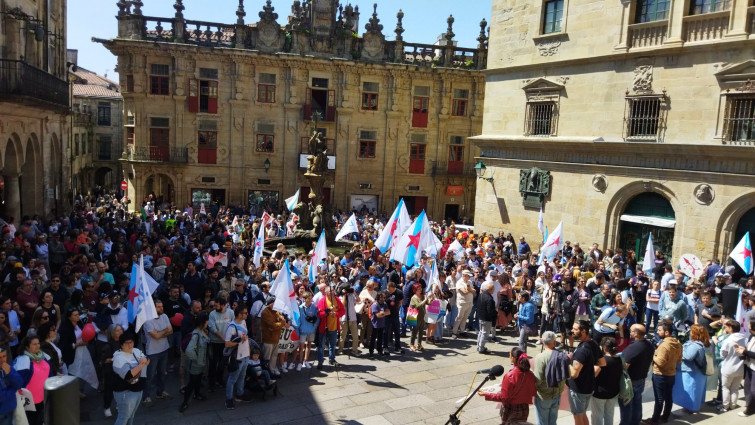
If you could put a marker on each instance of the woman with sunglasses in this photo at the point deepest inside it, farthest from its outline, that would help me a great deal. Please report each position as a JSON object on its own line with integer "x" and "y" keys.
{"x": 53, "y": 310}
{"x": 39, "y": 317}
{"x": 48, "y": 334}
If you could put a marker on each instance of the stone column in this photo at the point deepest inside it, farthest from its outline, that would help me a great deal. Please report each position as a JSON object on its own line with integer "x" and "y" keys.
{"x": 675, "y": 23}
{"x": 738, "y": 20}
{"x": 13, "y": 197}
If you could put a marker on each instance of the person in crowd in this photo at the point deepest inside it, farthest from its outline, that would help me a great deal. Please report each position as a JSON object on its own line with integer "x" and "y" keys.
{"x": 130, "y": 366}
{"x": 237, "y": 348}
{"x": 218, "y": 320}
{"x": 308, "y": 324}
{"x": 748, "y": 352}
{"x": 255, "y": 365}
{"x": 581, "y": 383}
{"x": 518, "y": 388}
{"x": 33, "y": 366}
{"x": 330, "y": 309}
{"x": 607, "y": 383}
{"x": 652, "y": 299}
{"x": 732, "y": 366}
{"x": 610, "y": 323}
{"x": 272, "y": 324}
{"x": 525, "y": 319}
{"x": 349, "y": 320}
{"x": 547, "y": 397}
{"x": 665, "y": 360}
{"x": 464, "y": 302}
{"x": 638, "y": 357}
{"x": 419, "y": 301}
{"x": 367, "y": 298}
{"x": 689, "y": 391}
{"x": 394, "y": 298}
{"x": 487, "y": 313}
{"x": 196, "y": 351}
{"x": 47, "y": 305}
{"x": 378, "y": 312}
{"x": 10, "y": 382}
{"x": 157, "y": 332}
{"x": 110, "y": 378}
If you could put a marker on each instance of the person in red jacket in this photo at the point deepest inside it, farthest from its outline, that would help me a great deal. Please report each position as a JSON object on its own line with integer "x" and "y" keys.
{"x": 517, "y": 389}
{"x": 330, "y": 310}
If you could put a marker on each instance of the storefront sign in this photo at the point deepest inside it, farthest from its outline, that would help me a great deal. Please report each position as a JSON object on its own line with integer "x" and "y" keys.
{"x": 452, "y": 190}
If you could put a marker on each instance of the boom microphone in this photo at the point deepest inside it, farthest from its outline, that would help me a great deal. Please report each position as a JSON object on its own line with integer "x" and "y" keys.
{"x": 496, "y": 370}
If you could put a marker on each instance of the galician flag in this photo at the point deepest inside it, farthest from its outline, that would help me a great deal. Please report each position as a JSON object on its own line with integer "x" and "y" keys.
{"x": 433, "y": 249}
{"x": 292, "y": 201}
{"x": 141, "y": 307}
{"x": 457, "y": 249}
{"x": 320, "y": 254}
{"x": 648, "y": 262}
{"x": 267, "y": 219}
{"x": 540, "y": 225}
{"x": 432, "y": 277}
{"x": 553, "y": 244}
{"x": 742, "y": 254}
{"x": 417, "y": 238}
{"x": 349, "y": 227}
{"x": 285, "y": 296}
{"x": 259, "y": 243}
{"x": 744, "y": 325}
{"x": 395, "y": 227}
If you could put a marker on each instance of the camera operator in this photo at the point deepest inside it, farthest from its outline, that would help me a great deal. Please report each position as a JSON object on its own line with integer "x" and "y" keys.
{"x": 349, "y": 299}
{"x": 568, "y": 298}
{"x": 551, "y": 307}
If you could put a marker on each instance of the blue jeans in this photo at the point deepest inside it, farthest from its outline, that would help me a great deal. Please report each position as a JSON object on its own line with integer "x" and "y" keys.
{"x": 546, "y": 411}
{"x": 6, "y": 418}
{"x": 651, "y": 315}
{"x": 156, "y": 373}
{"x": 664, "y": 396}
{"x": 631, "y": 414}
{"x": 331, "y": 338}
{"x": 236, "y": 379}
{"x": 127, "y": 402}
{"x": 402, "y": 315}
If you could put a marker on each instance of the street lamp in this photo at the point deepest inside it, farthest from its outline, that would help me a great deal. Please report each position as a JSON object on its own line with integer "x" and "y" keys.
{"x": 480, "y": 169}
{"x": 267, "y": 164}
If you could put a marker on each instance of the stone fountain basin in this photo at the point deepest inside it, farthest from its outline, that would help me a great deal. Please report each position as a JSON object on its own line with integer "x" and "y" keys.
{"x": 301, "y": 244}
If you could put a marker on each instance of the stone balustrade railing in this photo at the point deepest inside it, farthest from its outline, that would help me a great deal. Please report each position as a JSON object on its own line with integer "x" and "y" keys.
{"x": 647, "y": 34}
{"x": 707, "y": 26}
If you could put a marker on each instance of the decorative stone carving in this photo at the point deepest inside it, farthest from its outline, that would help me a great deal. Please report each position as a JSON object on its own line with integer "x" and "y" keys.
{"x": 599, "y": 183}
{"x": 548, "y": 47}
{"x": 534, "y": 185}
{"x": 643, "y": 79}
{"x": 267, "y": 14}
{"x": 704, "y": 194}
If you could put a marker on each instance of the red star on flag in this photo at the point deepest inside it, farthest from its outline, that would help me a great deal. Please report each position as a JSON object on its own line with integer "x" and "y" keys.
{"x": 132, "y": 295}
{"x": 414, "y": 240}
{"x": 747, "y": 252}
{"x": 555, "y": 242}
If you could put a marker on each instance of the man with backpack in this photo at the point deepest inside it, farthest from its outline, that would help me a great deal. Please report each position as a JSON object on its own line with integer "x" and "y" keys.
{"x": 638, "y": 357}
{"x": 548, "y": 395}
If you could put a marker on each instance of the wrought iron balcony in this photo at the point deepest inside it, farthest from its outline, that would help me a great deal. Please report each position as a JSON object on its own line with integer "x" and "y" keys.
{"x": 157, "y": 154}
{"x": 108, "y": 151}
{"x": 21, "y": 80}
{"x": 452, "y": 169}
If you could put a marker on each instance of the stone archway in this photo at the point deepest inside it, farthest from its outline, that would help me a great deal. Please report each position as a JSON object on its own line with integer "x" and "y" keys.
{"x": 728, "y": 222}
{"x": 618, "y": 204}
{"x": 161, "y": 187}
{"x": 11, "y": 194}
{"x": 56, "y": 171}
{"x": 32, "y": 190}
{"x": 105, "y": 177}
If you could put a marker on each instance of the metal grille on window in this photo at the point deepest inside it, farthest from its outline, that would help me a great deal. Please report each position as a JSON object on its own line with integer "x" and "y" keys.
{"x": 157, "y": 69}
{"x": 643, "y": 119}
{"x": 541, "y": 119}
{"x": 208, "y": 73}
{"x": 739, "y": 119}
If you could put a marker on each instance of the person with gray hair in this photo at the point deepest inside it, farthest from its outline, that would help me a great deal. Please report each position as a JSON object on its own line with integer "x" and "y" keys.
{"x": 547, "y": 398}
{"x": 487, "y": 313}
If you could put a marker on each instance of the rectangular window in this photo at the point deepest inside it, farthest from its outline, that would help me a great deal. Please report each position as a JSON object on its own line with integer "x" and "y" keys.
{"x": 417, "y": 158}
{"x": 460, "y": 102}
{"x": 104, "y": 147}
{"x": 159, "y": 79}
{"x": 130, "y": 83}
{"x": 266, "y": 88}
{"x": 420, "y": 106}
{"x": 320, "y": 102}
{"x": 130, "y": 135}
{"x": 455, "y": 159}
{"x": 208, "y": 73}
{"x": 739, "y": 119}
{"x": 644, "y": 117}
{"x": 698, "y": 7}
{"x": 367, "y": 144}
{"x": 207, "y": 142}
{"x": 651, "y": 10}
{"x": 541, "y": 119}
{"x": 320, "y": 83}
{"x": 75, "y": 145}
{"x": 553, "y": 16}
{"x": 103, "y": 114}
{"x": 159, "y": 139}
{"x": 203, "y": 96}
{"x": 265, "y": 138}
{"x": 370, "y": 96}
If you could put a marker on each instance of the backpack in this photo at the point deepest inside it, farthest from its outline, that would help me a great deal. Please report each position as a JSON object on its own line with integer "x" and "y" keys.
{"x": 505, "y": 305}
{"x": 557, "y": 369}
{"x": 185, "y": 341}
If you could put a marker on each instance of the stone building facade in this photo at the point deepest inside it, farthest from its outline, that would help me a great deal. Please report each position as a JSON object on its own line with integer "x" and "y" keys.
{"x": 638, "y": 113}
{"x": 221, "y": 113}
{"x": 34, "y": 105}
{"x": 97, "y": 130}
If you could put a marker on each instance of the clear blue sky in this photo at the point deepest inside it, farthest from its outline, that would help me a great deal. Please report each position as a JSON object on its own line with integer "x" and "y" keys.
{"x": 423, "y": 21}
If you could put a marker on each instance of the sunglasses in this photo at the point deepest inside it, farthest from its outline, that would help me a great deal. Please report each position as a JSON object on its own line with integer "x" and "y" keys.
{"x": 45, "y": 317}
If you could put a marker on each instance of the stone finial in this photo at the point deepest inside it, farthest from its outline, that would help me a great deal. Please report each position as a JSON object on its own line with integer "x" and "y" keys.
{"x": 240, "y": 13}
{"x": 123, "y": 7}
{"x": 374, "y": 24}
{"x": 268, "y": 14}
{"x": 179, "y": 6}
{"x": 138, "y": 6}
{"x": 399, "y": 27}
{"x": 450, "y": 31}
{"x": 482, "y": 38}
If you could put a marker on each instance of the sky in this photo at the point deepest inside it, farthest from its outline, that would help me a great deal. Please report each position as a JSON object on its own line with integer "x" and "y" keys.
{"x": 423, "y": 21}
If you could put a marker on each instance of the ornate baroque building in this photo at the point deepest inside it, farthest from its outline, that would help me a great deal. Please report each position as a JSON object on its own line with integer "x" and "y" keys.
{"x": 219, "y": 112}
{"x": 34, "y": 105}
{"x": 638, "y": 115}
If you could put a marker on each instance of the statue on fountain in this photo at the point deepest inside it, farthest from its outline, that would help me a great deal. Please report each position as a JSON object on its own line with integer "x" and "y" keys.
{"x": 317, "y": 161}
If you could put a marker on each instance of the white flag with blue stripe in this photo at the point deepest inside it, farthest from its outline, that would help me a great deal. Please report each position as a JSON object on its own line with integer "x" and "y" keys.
{"x": 292, "y": 201}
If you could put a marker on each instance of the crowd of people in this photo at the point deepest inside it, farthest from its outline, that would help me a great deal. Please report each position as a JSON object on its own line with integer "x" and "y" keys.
{"x": 595, "y": 317}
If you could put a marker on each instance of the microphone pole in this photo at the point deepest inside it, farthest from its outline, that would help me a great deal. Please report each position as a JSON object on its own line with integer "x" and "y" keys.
{"x": 453, "y": 419}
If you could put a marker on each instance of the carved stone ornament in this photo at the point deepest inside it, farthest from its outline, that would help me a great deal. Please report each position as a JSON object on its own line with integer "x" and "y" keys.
{"x": 599, "y": 183}
{"x": 534, "y": 185}
{"x": 269, "y": 33}
{"x": 548, "y": 47}
{"x": 373, "y": 46}
{"x": 643, "y": 79}
{"x": 748, "y": 86}
{"x": 704, "y": 194}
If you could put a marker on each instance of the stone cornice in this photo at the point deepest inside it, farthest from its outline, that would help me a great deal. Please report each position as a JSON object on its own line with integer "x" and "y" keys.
{"x": 590, "y": 151}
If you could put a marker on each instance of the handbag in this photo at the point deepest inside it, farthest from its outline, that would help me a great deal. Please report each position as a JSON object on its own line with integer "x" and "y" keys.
{"x": 710, "y": 365}
{"x": 411, "y": 316}
{"x": 626, "y": 392}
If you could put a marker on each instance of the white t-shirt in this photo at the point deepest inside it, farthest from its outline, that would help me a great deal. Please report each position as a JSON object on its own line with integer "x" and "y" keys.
{"x": 155, "y": 346}
{"x": 464, "y": 298}
{"x": 650, "y": 304}
{"x": 238, "y": 329}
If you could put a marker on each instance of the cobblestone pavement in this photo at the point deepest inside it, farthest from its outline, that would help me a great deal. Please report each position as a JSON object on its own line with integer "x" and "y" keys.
{"x": 413, "y": 388}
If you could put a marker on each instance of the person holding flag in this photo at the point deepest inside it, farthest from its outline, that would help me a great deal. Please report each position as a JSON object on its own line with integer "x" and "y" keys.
{"x": 259, "y": 243}
{"x": 319, "y": 254}
{"x": 349, "y": 227}
{"x": 413, "y": 242}
{"x": 394, "y": 228}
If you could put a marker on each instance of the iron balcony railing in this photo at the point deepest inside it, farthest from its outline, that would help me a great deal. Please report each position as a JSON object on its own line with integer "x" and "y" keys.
{"x": 17, "y": 78}
{"x": 452, "y": 168}
{"x": 158, "y": 154}
{"x": 108, "y": 151}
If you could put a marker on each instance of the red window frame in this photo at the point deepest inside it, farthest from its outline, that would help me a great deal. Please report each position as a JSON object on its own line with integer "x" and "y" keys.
{"x": 369, "y": 101}
{"x": 420, "y": 107}
{"x": 367, "y": 148}
{"x": 159, "y": 144}
{"x": 455, "y": 159}
{"x": 130, "y": 132}
{"x": 459, "y": 107}
{"x": 197, "y": 90}
{"x": 265, "y": 143}
{"x": 266, "y": 93}
{"x": 207, "y": 150}
{"x": 417, "y": 158}
{"x": 159, "y": 85}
